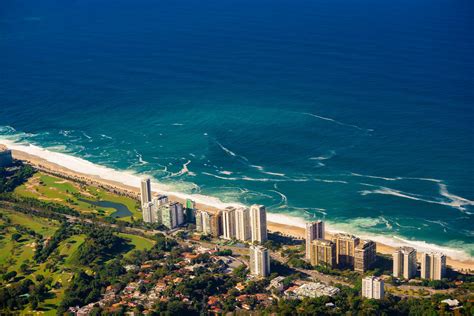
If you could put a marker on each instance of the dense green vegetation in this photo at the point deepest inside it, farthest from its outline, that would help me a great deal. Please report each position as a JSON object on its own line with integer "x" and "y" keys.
{"x": 40, "y": 256}
{"x": 13, "y": 176}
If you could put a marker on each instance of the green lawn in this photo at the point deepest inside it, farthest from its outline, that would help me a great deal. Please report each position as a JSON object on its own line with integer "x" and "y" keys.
{"x": 66, "y": 192}
{"x": 60, "y": 265}
{"x": 14, "y": 253}
{"x": 138, "y": 242}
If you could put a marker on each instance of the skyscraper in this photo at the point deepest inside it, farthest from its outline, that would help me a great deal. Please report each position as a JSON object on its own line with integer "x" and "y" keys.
{"x": 216, "y": 224}
{"x": 199, "y": 220}
{"x": 190, "y": 211}
{"x": 228, "y": 223}
{"x": 242, "y": 224}
{"x": 404, "y": 262}
{"x": 259, "y": 261}
{"x": 433, "y": 266}
{"x": 206, "y": 223}
{"x": 258, "y": 223}
{"x": 314, "y": 230}
{"x": 365, "y": 255}
{"x": 345, "y": 249}
{"x": 145, "y": 190}
{"x": 373, "y": 287}
{"x": 172, "y": 215}
{"x": 147, "y": 211}
{"x": 323, "y": 252}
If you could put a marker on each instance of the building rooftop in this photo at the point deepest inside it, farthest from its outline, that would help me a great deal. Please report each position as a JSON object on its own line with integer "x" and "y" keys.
{"x": 314, "y": 290}
{"x": 365, "y": 244}
{"x": 345, "y": 236}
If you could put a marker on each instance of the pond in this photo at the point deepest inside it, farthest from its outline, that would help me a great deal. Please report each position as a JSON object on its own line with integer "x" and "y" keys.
{"x": 121, "y": 210}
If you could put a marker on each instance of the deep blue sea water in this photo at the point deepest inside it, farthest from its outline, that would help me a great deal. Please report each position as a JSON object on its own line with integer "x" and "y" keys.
{"x": 357, "y": 112}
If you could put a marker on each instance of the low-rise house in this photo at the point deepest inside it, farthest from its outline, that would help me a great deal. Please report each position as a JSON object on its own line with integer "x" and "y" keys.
{"x": 315, "y": 290}
{"x": 451, "y": 303}
{"x": 240, "y": 286}
{"x": 277, "y": 284}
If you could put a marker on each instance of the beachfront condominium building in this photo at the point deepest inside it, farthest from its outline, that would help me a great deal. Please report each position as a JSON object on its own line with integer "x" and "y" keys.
{"x": 206, "y": 222}
{"x": 190, "y": 211}
{"x": 209, "y": 223}
{"x": 145, "y": 191}
{"x": 228, "y": 223}
{"x": 373, "y": 288}
{"x": 258, "y": 223}
{"x": 433, "y": 266}
{"x": 151, "y": 212}
{"x": 147, "y": 210}
{"x": 242, "y": 223}
{"x": 314, "y": 230}
{"x": 404, "y": 262}
{"x": 365, "y": 255}
{"x": 323, "y": 252}
{"x": 259, "y": 261}
{"x": 216, "y": 224}
{"x": 172, "y": 215}
{"x": 160, "y": 200}
{"x": 199, "y": 220}
{"x": 202, "y": 221}
{"x": 345, "y": 249}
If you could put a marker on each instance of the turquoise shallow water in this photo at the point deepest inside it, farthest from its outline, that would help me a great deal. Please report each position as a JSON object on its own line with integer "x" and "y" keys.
{"x": 359, "y": 113}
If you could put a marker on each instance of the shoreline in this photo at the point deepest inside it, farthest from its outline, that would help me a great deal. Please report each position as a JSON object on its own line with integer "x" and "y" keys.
{"x": 129, "y": 188}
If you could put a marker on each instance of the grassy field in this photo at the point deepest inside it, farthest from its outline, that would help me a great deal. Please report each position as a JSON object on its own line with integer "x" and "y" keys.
{"x": 14, "y": 253}
{"x": 66, "y": 192}
{"x": 138, "y": 242}
{"x": 60, "y": 265}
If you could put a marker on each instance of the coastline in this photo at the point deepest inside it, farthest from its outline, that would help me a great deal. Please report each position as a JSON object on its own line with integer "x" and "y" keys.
{"x": 91, "y": 173}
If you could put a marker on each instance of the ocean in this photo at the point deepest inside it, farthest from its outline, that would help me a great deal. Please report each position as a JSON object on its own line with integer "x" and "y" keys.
{"x": 359, "y": 113}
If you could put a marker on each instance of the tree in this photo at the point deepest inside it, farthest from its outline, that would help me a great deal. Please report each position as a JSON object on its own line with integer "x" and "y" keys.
{"x": 10, "y": 275}
{"x": 16, "y": 236}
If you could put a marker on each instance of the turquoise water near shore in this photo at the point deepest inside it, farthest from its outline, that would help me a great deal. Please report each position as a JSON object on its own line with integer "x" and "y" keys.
{"x": 359, "y": 113}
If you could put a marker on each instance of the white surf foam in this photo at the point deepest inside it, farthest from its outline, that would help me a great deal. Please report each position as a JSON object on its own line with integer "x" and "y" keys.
{"x": 230, "y": 152}
{"x": 395, "y": 178}
{"x": 456, "y": 202}
{"x": 132, "y": 179}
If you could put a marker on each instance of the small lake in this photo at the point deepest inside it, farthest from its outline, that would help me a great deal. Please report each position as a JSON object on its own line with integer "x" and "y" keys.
{"x": 121, "y": 210}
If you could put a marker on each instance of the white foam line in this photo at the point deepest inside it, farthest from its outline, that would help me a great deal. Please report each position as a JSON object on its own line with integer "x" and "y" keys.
{"x": 105, "y": 136}
{"x": 394, "y": 179}
{"x": 284, "y": 199}
{"x": 183, "y": 171}
{"x": 274, "y": 173}
{"x": 331, "y": 154}
{"x": 230, "y": 152}
{"x": 262, "y": 170}
{"x": 140, "y": 158}
{"x": 336, "y": 121}
{"x": 246, "y": 178}
{"x": 456, "y": 201}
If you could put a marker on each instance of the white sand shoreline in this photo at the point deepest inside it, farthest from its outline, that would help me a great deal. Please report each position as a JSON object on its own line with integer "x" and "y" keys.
{"x": 128, "y": 181}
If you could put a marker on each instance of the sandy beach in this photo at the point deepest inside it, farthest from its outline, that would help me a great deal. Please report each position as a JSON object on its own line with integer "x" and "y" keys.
{"x": 53, "y": 168}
